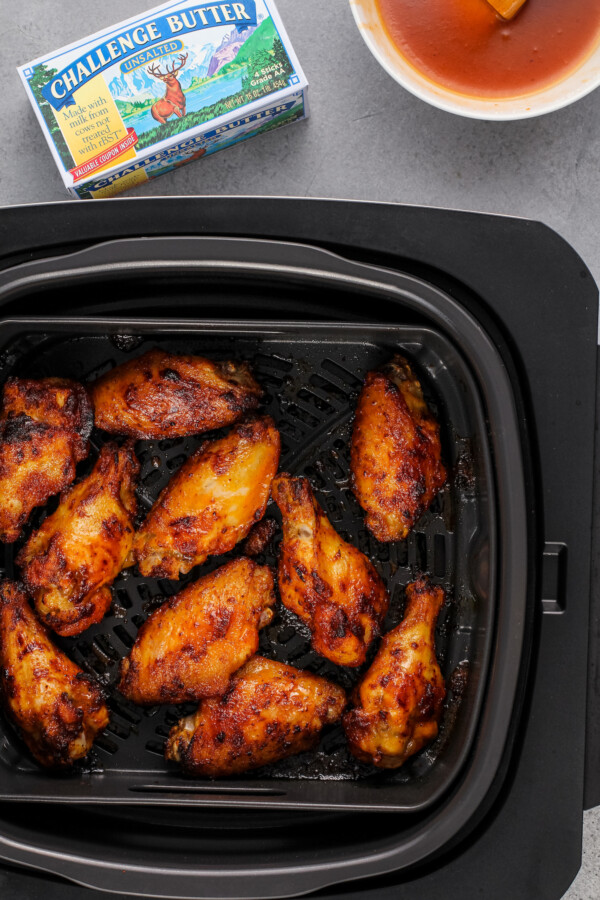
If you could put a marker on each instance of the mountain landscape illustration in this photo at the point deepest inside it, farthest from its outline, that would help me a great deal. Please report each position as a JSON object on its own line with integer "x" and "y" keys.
{"x": 139, "y": 85}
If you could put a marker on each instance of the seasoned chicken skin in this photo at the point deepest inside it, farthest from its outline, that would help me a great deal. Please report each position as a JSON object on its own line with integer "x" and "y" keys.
{"x": 44, "y": 431}
{"x": 57, "y": 708}
{"x": 161, "y": 395}
{"x": 69, "y": 563}
{"x": 327, "y": 582}
{"x": 399, "y": 701}
{"x": 189, "y": 648}
{"x": 395, "y": 454}
{"x": 271, "y": 711}
{"x": 212, "y": 502}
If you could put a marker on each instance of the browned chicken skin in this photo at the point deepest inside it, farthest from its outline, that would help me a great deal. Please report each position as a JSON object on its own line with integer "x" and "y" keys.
{"x": 70, "y": 561}
{"x": 327, "y": 582}
{"x": 396, "y": 454}
{"x": 270, "y": 712}
{"x": 212, "y": 502}
{"x": 58, "y": 709}
{"x": 189, "y": 648}
{"x": 161, "y": 395}
{"x": 399, "y": 701}
{"x": 44, "y": 431}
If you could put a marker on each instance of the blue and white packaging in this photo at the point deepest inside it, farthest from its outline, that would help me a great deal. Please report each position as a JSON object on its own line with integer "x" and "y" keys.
{"x": 159, "y": 90}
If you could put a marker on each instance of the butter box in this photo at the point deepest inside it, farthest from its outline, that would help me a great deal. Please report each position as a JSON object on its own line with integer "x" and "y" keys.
{"x": 159, "y": 90}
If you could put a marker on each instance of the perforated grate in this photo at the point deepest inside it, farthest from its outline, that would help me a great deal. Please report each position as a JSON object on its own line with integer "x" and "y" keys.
{"x": 311, "y": 391}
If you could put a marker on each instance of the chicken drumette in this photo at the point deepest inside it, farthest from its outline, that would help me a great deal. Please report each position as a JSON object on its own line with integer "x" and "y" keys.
{"x": 161, "y": 395}
{"x": 271, "y": 711}
{"x": 399, "y": 701}
{"x": 212, "y": 502}
{"x": 395, "y": 454}
{"x": 70, "y": 561}
{"x": 327, "y": 582}
{"x": 58, "y": 709}
{"x": 44, "y": 431}
{"x": 190, "y": 647}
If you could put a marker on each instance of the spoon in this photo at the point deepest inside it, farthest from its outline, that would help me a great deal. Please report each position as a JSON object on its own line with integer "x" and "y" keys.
{"x": 506, "y": 8}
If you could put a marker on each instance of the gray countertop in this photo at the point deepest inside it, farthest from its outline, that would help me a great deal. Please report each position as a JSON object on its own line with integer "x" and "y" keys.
{"x": 367, "y": 139}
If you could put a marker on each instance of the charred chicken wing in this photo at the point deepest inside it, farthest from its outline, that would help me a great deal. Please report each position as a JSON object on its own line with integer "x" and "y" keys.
{"x": 395, "y": 457}
{"x": 399, "y": 701}
{"x": 271, "y": 711}
{"x": 327, "y": 582}
{"x": 44, "y": 431}
{"x": 212, "y": 502}
{"x": 70, "y": 561}
{"x": 160, "y": 395}
{"x": 190, "y": 647}
{"x": 58, "y": 709}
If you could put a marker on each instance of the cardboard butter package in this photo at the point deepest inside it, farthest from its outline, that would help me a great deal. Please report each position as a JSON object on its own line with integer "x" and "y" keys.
{"x": 153, "y": 93}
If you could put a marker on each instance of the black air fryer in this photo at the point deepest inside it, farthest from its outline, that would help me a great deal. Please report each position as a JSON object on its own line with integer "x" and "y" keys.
{"x": 499, "y": 317}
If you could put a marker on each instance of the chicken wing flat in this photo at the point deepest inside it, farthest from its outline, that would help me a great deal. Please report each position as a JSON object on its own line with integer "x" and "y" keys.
{"x": 399, "y": 701}
{"x": 57, "y": 708}
{"x": 212, "y": 502}
{"x": 271, "y": 711}
{"x": 44, "y": 431}
{"x": 70, "y": 561}
{"x": 327, "y": 582}
{"x": 396, "y": 454}
{"x": 160, "y": 395}
{"x": 190, "y": 647}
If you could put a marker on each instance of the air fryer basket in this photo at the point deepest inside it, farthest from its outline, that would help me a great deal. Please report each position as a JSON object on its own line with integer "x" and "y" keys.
{"x": 464, "y": 376}
{"x": 312, "y": 374}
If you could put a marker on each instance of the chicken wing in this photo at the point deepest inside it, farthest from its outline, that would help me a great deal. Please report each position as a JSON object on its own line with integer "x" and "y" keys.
{"x": 57, "y": 708}
{"x": 271, "y": 711}
{"x": 44, "y": 431}
{"x": 70, "y": 561}
{"x": 190, "y": 647}
{"x": 399, "y": 701}
{"x": 327, "y": 582}
{"x": 212, "y": 502}
{"x": 396, "y": 454}
{"x": 160, "y": 395}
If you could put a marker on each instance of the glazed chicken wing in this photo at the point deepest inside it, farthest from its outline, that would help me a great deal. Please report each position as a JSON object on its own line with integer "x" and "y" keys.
{"x": 160, "y": 395}
{"x": 327, "y": 582}
{"x": 271, "y": 711}
{"x": 190, "y": 647}
{"x": 70, "y": 561}
{"x": 44, "y": 431}
{"x": 395, "y": 458}
{"x": 399, "y": 701}
{"x": 57, "y": 708}
{"x": 212, "y": 502}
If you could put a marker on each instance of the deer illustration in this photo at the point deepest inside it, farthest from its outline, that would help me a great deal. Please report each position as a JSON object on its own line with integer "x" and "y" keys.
{"x": 174, "y": 99}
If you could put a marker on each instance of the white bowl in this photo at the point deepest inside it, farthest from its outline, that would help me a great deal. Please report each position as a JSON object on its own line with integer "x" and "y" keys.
{"x": 581, "y": 81}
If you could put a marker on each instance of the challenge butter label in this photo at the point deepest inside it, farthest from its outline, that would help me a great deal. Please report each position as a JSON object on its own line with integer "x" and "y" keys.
{"x": 118, "y": 97}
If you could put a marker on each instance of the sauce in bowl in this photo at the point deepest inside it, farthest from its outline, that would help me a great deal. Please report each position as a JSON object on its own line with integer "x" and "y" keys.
{"x": 465, "y": 46}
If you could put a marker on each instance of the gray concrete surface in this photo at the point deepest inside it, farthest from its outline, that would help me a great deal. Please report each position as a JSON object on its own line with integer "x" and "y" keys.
{"x": 367, "y": 139}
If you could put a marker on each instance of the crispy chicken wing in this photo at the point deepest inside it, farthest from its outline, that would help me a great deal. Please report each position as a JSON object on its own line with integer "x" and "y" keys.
{"x": 327, "y": 582}
{"x": 395, "y": 460}
{"x": 70, "y": 561}
{"x": 58, "y": 709}
{"x": 189, "y": 648}
{"x": 212, "y": 502}
{"x": 160, "y": 395}
{"x": 271, "y": 711}
{"x": 44, "y": 431}
{"x": 399, "y": 701}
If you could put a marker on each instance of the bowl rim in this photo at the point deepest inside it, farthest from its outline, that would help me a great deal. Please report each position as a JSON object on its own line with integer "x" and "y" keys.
{"x": 481, "y": 108}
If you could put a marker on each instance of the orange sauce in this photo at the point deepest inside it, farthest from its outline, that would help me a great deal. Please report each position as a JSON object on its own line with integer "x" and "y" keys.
{"x": 465, "y": 46}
